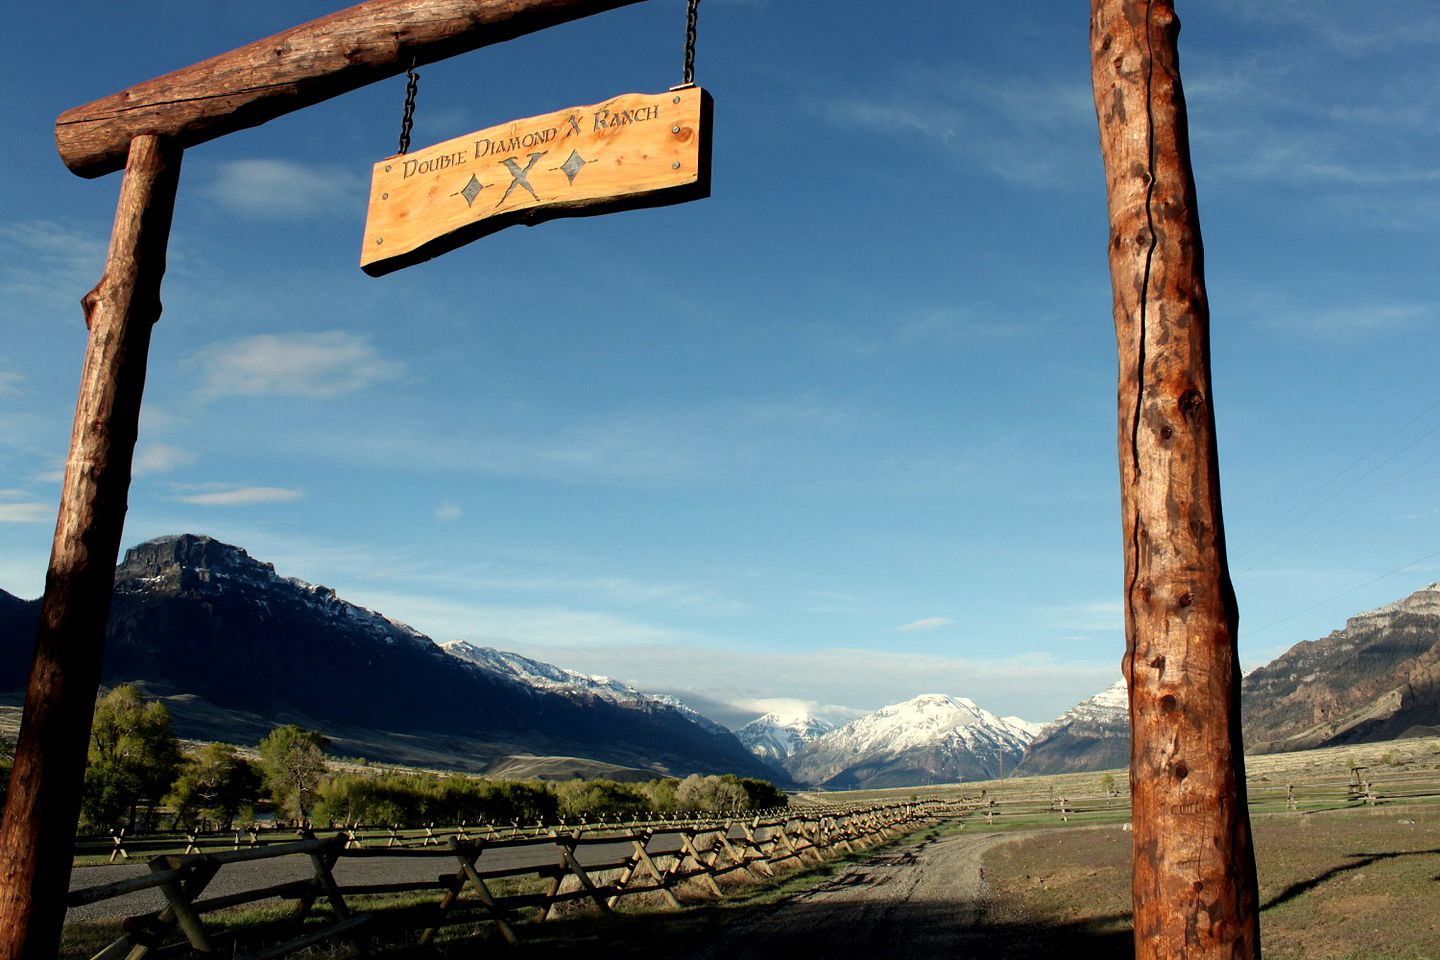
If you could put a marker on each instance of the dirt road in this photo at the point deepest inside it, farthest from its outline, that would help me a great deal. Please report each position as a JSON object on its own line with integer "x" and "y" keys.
{"x": 921, "y": 899}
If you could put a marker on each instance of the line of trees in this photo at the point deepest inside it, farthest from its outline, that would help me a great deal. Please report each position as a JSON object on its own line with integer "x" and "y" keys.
{"x": 139, "y": 778}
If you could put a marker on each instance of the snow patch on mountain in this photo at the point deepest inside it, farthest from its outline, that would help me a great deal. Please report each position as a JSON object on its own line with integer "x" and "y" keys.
{"x": 1092, "y": 735}
{"x": 776, "y": 736}
{"x": 930, "y": 739}
{"x": 547, "y": 676}
{"x": 191, "y": 561}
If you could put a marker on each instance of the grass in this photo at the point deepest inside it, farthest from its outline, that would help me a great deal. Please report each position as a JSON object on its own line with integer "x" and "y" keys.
{"x": 1339, "y": 880}
{"x": 641, "y": 922}
{"x": 1347, "y": 885}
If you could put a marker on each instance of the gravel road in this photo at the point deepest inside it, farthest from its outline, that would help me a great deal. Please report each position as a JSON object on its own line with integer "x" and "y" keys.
{"x": 236, "y": 877}
{"x": 919, "y": 900}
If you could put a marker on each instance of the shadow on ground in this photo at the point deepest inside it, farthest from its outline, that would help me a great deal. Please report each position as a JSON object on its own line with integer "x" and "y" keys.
{"x": 909, "y": 931}
{"x": 1359, "y": 861}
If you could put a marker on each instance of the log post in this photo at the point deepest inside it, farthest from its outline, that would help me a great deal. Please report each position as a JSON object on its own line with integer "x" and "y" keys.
{"x": 37, "y": 836}
{"x": 1194, "y": 888}
{"x": 298, "y": 68}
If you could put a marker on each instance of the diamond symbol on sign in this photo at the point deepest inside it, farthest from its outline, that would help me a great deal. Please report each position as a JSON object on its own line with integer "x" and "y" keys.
{"x": 573, "y": 165}
{"x": 472, "y": 190}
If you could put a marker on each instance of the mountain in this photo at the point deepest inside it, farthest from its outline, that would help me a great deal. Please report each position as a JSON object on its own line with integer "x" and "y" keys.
{"x": 1092, "y": 735}
{"x": 235, "y": 648}
{"x": 776, "y": 736}
{"x": 930, "y": 739}
{"x": 1377, "y": 679}
{"x": 576, "y": 686}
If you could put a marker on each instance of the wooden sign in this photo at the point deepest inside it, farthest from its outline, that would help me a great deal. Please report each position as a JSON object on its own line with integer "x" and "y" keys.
{"x": 635, "y": 150}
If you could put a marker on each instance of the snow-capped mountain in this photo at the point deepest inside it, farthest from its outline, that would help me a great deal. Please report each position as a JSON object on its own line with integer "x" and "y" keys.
{"x": 1092, "y": 735}
{"x": 237, "y": 648}
{"x": 930, "y": 739}
{"x": 776, "y": 736}
{"x": 537, "y": 673}
{"x": 571, "y": 683}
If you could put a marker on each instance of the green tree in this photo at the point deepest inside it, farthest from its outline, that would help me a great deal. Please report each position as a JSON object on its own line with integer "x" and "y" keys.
{"x": 133, "y": 758}
{"x": 711, "y": 794}
{"x": 590, "y": 799}
{"x": 215, "y": 784}
{"x": 762, "y": 794}
{"x": 292, "y": 761}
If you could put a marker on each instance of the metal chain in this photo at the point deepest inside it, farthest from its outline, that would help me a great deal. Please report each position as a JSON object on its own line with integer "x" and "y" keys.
{"x": 408, "y": 120}
{"x": 690, "y": 42}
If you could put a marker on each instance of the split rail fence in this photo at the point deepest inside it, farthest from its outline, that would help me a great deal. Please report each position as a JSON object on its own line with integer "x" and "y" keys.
{"x": 600, "y": 866}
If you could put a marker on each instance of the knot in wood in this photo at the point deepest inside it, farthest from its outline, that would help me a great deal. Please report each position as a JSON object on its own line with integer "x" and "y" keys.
{"x": 1190, "y": 403}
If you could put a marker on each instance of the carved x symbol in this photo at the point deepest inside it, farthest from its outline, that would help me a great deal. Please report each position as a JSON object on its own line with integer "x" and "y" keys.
{"x": 519, "y": 175}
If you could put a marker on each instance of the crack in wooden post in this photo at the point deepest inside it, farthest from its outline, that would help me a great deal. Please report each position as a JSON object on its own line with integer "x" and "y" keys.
{"x": 1195, "y": 893}
{"x": 37, "y": 837}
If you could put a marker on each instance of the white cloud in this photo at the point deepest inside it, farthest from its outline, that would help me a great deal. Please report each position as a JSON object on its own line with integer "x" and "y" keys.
{"x": 513, "y": 627}
{"x": 929, "y": 623}
{"x": 9, "y": 383}
{"x": 222, "y": 495}
{"x": 479, "y": 579}
{"x": 27, "y": 512}
{"x": 843, "y": 682}
{"x": 273, "y": 189}
{"x": 448, "y": 511}
{"x": 1014, "y": 130}
{"x": 1340, "y": 323}
{"x": 152, "y": 458}
{"x": 57, "y": 266}
{"x": 1092, "y": 617}
{"x": 314, "y": 365}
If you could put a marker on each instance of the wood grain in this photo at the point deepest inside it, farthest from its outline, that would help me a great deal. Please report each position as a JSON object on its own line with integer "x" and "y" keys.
{"x": 38, "y": 834}
{"x": 297, "y": 68}
{"x": 1195, "y": 892}
{"x": 634, "y": 150}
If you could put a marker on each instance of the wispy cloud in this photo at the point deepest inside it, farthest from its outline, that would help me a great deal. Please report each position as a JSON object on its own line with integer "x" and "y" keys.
{"x": 1022, "y": 130}
{"x": 59, "y": 263}
{"x": 225, "y": 495}
{"x": 845, "y": 682}
{"x": 716, "y": 442}
{"x": 312, "y": 365}
{"x": 9, "y": 383}
{"x": 1086, "y": 617}
{"x": 448, "y": 511}
{"x": 479, "y": 580}
{"x": 26, "y": 513}
{"x": 1347, "y": 28}
{"x": 516, "y": 627}
{"x": 926, "y": 330}
{"x": 929, "y": 623}
{"x": 273, "y": 189}
{"x": 152, "y": 458}
{"x": 1339, "y": 323}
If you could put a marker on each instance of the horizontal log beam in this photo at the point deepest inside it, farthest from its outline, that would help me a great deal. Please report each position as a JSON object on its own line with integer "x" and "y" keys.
{"x": 298, "y": 68}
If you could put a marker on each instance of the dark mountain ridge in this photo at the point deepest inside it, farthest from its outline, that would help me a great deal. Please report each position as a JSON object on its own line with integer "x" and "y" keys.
{"x": 203, "y": 619}
{"x": 1375, "y": 679}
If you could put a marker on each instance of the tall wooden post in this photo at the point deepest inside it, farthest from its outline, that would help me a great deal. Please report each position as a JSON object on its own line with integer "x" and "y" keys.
{"x": 37, "y": 837}
{"x": 147, "y": 128}
{"x": 1194, "y": 887}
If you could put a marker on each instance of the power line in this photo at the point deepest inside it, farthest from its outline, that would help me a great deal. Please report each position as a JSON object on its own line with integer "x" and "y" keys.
{"x": 1344, "y": 510}
{"x": 1317, "y": 506}
{"x": 1358, "y": 586}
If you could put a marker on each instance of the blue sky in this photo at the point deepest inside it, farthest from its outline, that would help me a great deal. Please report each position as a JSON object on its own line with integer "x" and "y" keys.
{"x": 841, "y": 434}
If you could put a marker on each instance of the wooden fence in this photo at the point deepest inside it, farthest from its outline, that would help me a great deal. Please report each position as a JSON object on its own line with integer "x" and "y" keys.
{"x": 599, "y": 866}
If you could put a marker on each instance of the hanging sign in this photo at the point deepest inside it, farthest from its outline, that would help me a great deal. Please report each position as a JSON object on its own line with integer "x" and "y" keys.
{"x": 635, "y": 150}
